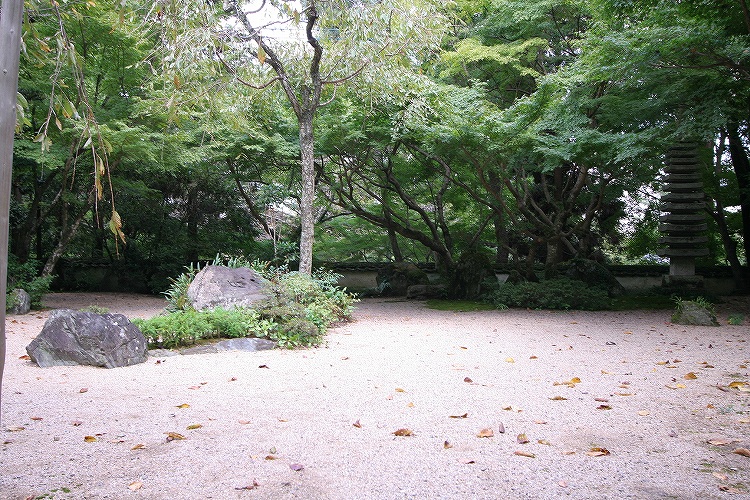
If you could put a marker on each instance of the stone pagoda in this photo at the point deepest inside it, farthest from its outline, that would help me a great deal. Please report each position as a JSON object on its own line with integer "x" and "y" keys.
{"x": 683, "y": 222}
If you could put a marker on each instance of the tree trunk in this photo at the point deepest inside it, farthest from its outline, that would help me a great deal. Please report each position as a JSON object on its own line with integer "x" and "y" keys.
{"x": 11, "y": 14}
{"x": 307, "y": 215}
{"x": 66, "y": 236}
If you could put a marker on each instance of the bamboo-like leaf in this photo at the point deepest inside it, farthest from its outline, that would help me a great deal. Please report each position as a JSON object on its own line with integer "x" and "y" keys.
{"x": 261, "y": 55}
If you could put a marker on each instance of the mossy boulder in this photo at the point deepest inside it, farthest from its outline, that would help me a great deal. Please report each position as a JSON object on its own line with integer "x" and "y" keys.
{"x": 693, "y": 313}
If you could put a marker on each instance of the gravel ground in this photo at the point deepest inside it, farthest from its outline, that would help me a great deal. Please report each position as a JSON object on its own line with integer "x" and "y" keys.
{"x": 613, "y": 405}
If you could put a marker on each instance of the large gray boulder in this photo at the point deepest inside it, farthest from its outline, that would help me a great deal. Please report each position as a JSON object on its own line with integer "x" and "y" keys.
{"x": 19, "y": 301}
{"x": 694, "y": 313}
{"x": 84, "y": 338}
{"x": 219, "y": 286}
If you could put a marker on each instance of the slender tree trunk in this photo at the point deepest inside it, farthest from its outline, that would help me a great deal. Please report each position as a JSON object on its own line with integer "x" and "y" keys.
{"x": 307, "y": 215}
{"x": 66, "y": 236}
{"x": 11, "y": 14}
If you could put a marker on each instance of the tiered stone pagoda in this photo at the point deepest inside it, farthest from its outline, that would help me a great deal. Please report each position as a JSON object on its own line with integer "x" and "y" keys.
{"x": 683, "y": 222}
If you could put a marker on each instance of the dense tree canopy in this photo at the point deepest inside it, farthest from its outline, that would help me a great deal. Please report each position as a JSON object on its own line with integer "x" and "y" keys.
{"x": 469, "y": 134}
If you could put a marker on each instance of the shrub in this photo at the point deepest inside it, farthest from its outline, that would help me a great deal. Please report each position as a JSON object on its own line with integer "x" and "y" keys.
{"x": 560, "y": 293}
{"x": 25, "y": 276}
{"x": 298, "y": 314}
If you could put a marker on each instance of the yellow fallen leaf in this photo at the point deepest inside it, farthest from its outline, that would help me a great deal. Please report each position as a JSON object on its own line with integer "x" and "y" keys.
{"x": 624, "y": 393}
{"x": 183, "y": 406}
{"x": 139, "y": 446}
{"x": 398, "y": 389}
{"x": 522, "y": 439}
{"x": 171, "y": 436}
{"x": 524, "y": 454}
{"x": 465, "y": 415}
{"x": 15, "y": 428}
{"x": 676, "y": 386}
{"x": 244, "y": 422}
{"x": 192, "y": 427}
{"x": 544, "y": 442}
{"x": 643, "y": 413}
{"x": 628, "y": 333}
{"x": 486, "y": 433}
{"x": 510, "y": 360}
{"x": 662, "y": 363}
{"x": 597, "y": 452}
{"x": 558, "y": 398}
{"x": 90, "y": 439}
{"x": 690, "y": 376}
{"x": 719, "y": 442}
{"x": 605, "y": 372}
{"x": 744, "y": 421}
{"x": 569, "y": 452}
{"x": 403, "y": 432}
{"x": 410, "y": 405}
{"x": 719, "y": 476}
{"x": 742, "y": 451}
{"x": 447, "y": 445}
{"x": 135, "y": 485}
{"x": 737, "y": 384}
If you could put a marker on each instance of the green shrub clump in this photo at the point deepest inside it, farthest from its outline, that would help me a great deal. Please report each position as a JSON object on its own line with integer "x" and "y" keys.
{"x": 24, "y": 276}
{"x": 560, "y": 293}
{"x": 298, "y": 314}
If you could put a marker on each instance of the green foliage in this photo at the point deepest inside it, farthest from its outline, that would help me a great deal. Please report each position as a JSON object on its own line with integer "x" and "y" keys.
{"x": 298, "y": 315}
{"x": 95, "y": 309}
{"x": 459, "y": 305}
{"x": 561, "y": 293}
{"x": 24, "y": 276}
{"x": 736, "y": 319}
{"x": 176, "y": 294}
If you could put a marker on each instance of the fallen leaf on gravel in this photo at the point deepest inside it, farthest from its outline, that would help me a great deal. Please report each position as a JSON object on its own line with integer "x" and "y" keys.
{"x": 690, "y": 376}
{"x": 447, "y": 445}
{"x": 244, "y": 422}
{"x": 569, "y": 452}
{"x": 194, "y": 387}
{"x": 486, "y": 433}
{"x": 628, "y": 333}
{"x": 508, "y": 408}
{"x": 25, "y": 357}
{"x": 135, "y": 485}
{"x": 192, "y": 427}
{"x": 533, "y": 357}
{"x": 719, "y": 442}
{"x": 643, "y": 413}
{"x": 398, "y": 389}
{"x": 540, "y": 422}
{"x": 524, "y": 454}
{"x": 742, "y": 451}
{"x": 139, "y": 446}
{"x": 465, "y": 415}
{"x": 602, "y": 400}
{"x": 249, "y": 486}
{"x": 410, "y": 405}
{"x": 510, "y": 360}
{"x": 522, "y": 439}
{"x": 624, "y": 393}
{"x": 282, "y": 420}
{"x": 270, "y": 457}
{"x": 605, "y": 372}
{"x": 90, "y": 439}
{"x": 563, "y": 484}
{"x": 501, "y": 428}
{"x": 171, "y": 436}
{"x": 16, "y": 428}
{"x": 675, "y": 386}
{"x": 76, "y": 423}
{"x": 36, "y": 418}
{"x": 296, "y": 467}
{"x": 158, "y": 362}
{"x": 466, "y": 461}
{"x": 357, "y": 424}
{"x": 744, "y": 421}
{"x": 264, "y": 366}
{"x": 559, "y": 398}
{"x": 84, "y": 389}
{"x": 729, "y": 489}
{"x": 183, "y": 406}
{"x": 403, "y": 432}
{"x": 468, "y": 380}
{"x": 544, "y": 442}
{"x": 719, "y": 476}
{"x": 233, "y": 379}
{"x": 597, "y": 452}
{"x": 737, "y": 384}
{"x": 603, "y": 407}
{"x": 662, "y": 363}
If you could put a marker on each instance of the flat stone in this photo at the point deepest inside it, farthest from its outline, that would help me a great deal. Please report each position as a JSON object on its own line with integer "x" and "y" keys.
{"x": 219, "y": 286}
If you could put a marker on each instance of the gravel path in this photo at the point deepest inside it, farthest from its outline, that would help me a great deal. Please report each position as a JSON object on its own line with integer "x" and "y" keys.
{"x": 320, "y": 423}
